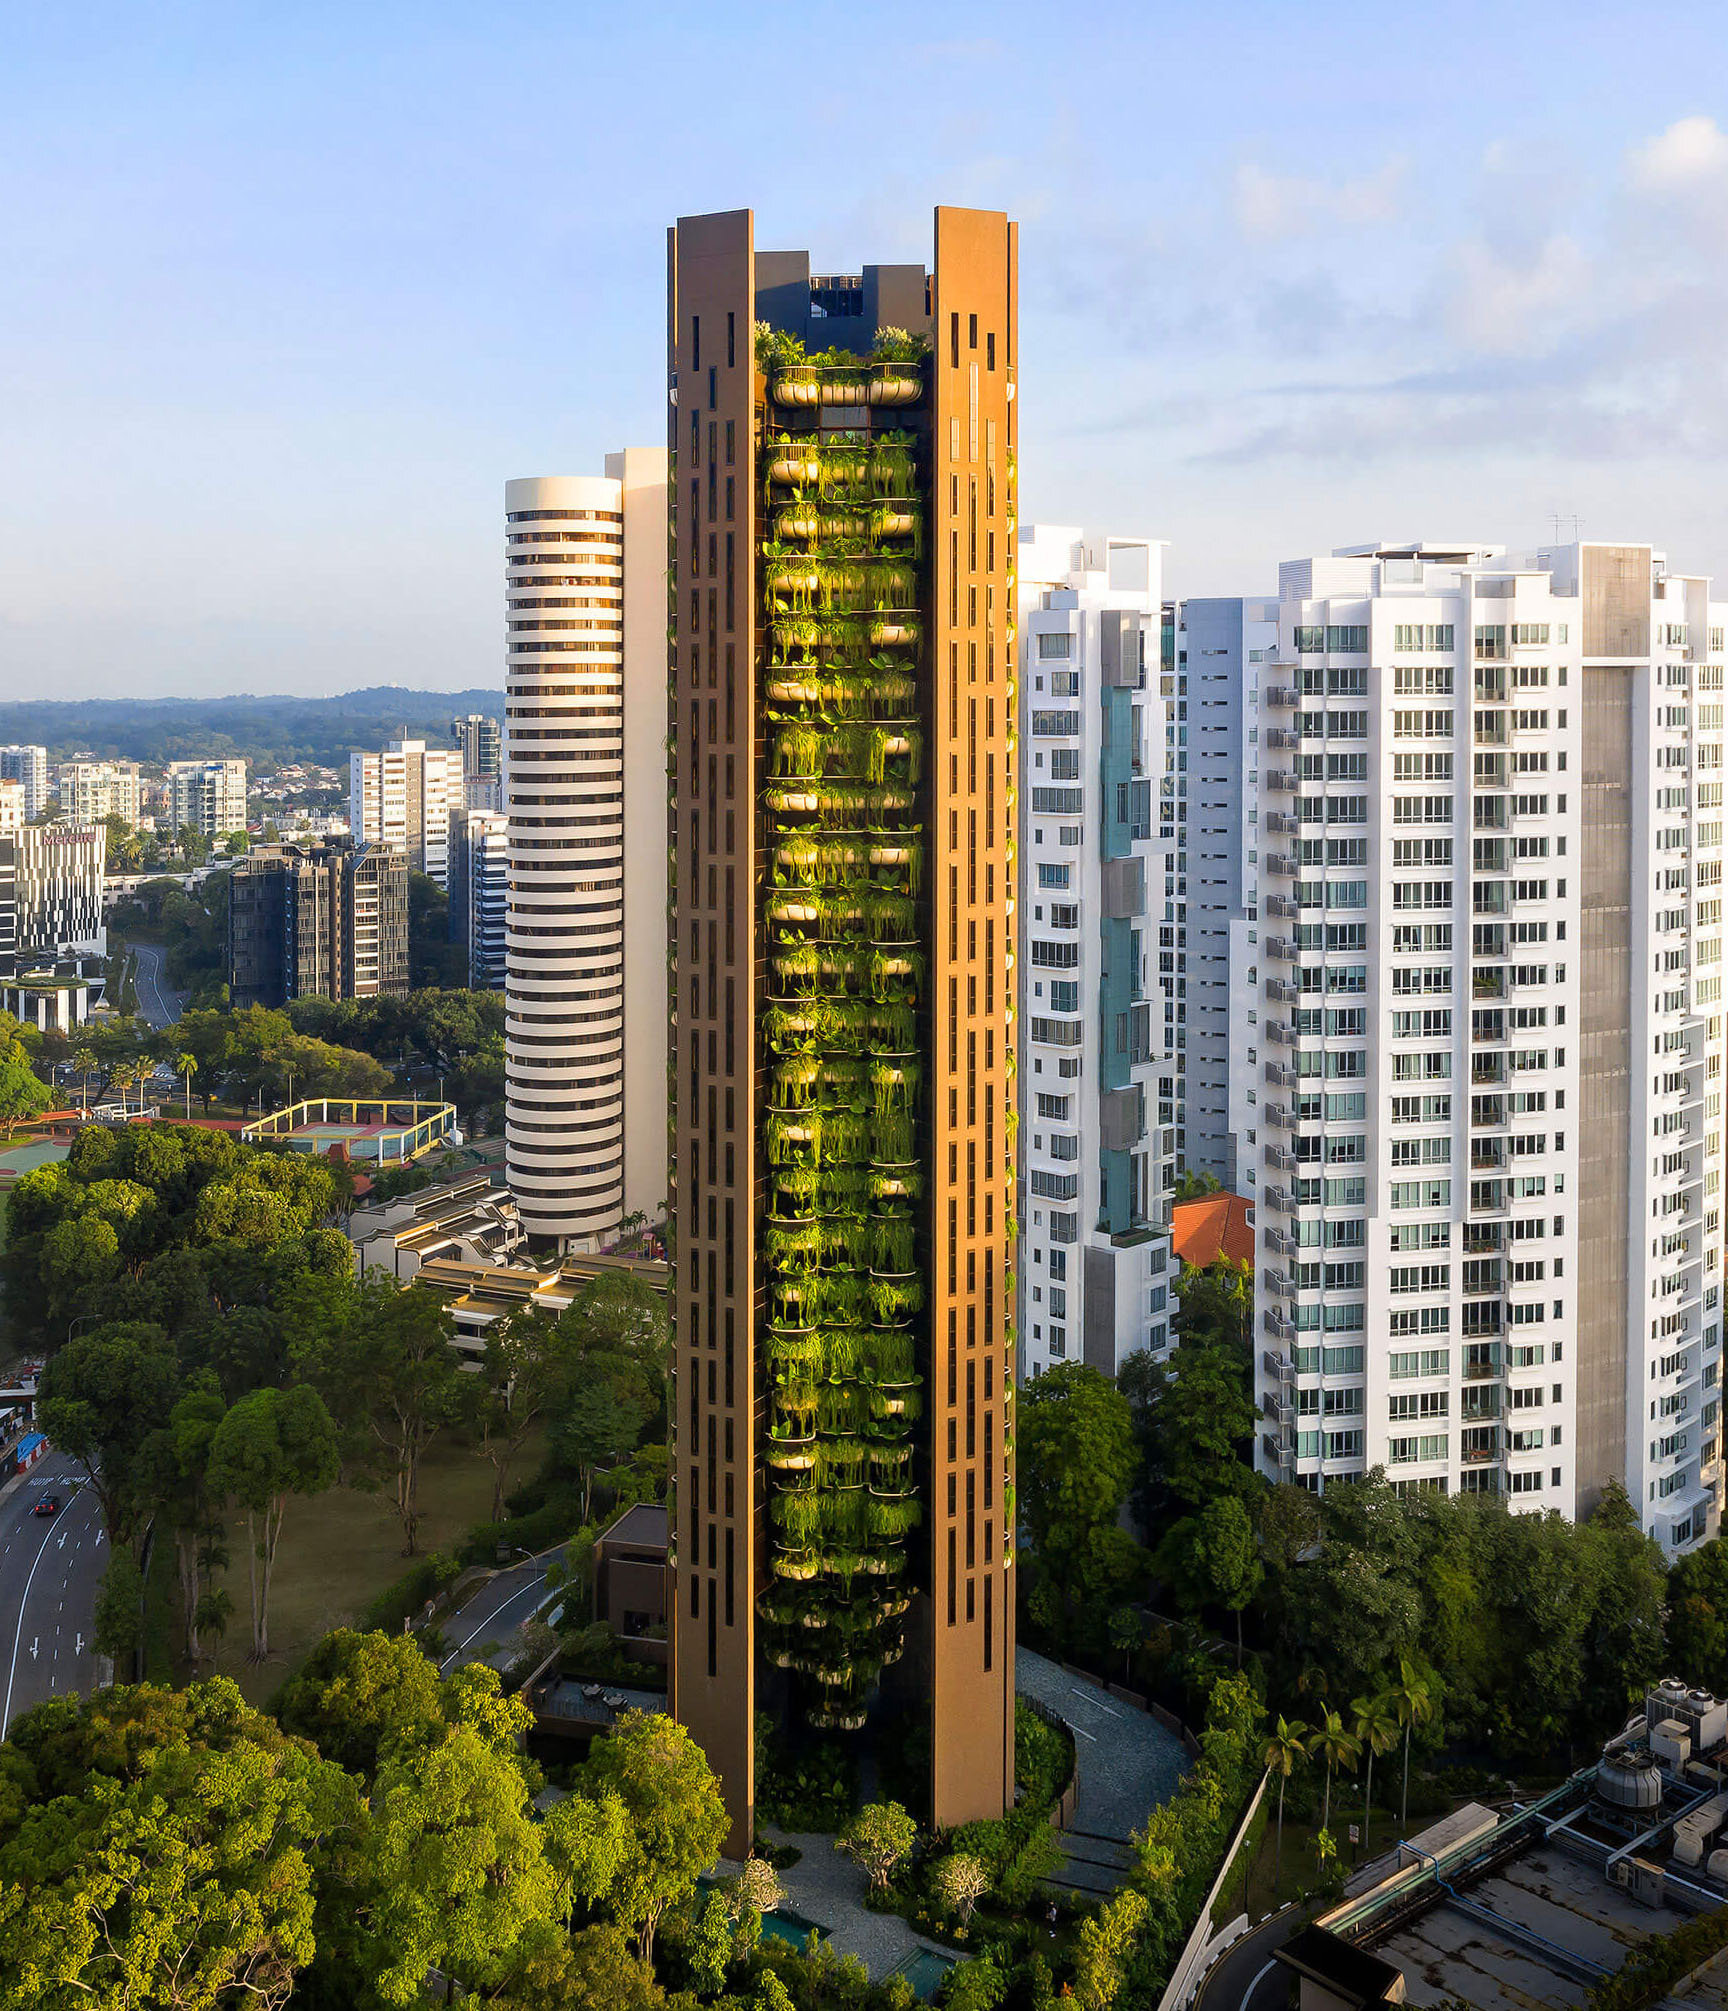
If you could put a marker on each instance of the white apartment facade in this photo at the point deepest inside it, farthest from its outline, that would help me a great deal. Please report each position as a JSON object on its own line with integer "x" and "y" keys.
{"x": 585, "y": 1036}
{"x": 1221, "y": 645}
{"x": 92, "y": 791}
{"x": 27, "y": 765}
{"x": 480, "y": 893}
{"x": 1097, "y": 1056}
{"x": 404, "y": 797}
{"x": 207, "y": 796}
{"x": 1486, "y": 937}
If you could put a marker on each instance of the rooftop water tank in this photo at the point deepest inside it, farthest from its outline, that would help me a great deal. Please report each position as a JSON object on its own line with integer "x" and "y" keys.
{"x": 1629, "y": 1780}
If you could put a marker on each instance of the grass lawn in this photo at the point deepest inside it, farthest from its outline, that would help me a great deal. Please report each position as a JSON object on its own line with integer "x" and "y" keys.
{"x": 1300, "y": 1873}
{"x": 339, "y": 1550}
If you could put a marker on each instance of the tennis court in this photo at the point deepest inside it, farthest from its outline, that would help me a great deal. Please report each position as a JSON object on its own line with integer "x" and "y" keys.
{"x": 371, "y": 1131}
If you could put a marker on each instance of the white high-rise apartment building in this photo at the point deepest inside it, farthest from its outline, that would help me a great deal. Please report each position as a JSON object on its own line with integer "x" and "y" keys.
{"x": 91, "y": 791}
{"x": 1486, "y": 968}
{"x": 480, "y": 893}
{"x": 27, "y": 766}
{"x": 207, "y": 796}
{"x": 585, "y": 801}
{"x": 404, "y": 797}
{"x": 1221, "y": 645}
{"x": 1097, "y": 1052}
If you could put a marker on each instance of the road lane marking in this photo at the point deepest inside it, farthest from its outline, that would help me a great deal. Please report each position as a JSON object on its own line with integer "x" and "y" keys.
{"x": 18, "y": 1632}
{"x": 538, "y": 1585}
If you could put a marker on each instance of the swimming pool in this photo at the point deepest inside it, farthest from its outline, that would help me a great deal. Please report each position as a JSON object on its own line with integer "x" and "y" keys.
{"x": 785, "y": 1925}
{"x": 924, "y": 1969}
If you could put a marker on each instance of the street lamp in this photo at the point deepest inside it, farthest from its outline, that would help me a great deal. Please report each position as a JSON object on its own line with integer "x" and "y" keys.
{"x": 77, "y": 1323}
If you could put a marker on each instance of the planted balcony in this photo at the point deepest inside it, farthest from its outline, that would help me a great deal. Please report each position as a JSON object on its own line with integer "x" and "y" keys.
{"x": 862, "y": 469}
{"x": 841, "y": 586}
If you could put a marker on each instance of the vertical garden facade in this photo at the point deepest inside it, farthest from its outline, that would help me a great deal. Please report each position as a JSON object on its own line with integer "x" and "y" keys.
{"x": 842, "y": 932}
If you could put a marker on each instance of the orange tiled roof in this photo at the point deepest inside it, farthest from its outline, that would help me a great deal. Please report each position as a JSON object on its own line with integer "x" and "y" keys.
{"x": 1217, "y": 1225}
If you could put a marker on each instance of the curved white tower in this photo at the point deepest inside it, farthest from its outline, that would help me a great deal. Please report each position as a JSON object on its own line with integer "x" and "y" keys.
{"x": 569, "y": 804}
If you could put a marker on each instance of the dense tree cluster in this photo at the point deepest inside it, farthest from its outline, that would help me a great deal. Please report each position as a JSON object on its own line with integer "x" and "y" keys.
{"x": 1532, "y": 1634}
{"x": 168, "y": 1226}
{"x": 213, "y": 1357}
{"x": 23, "y": 1094}
{"x": 180, "y": 1848}
{"x": 398, "y": 1045}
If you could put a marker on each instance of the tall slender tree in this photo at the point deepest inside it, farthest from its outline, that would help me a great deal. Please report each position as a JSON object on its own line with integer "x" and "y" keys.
{"x": 1337, "y": 1746}
{"x": 1287, "y": 1744}
{"x": 272, "y": 1445}
{"x": 1414, "y": 1702}
{"x": 1377, "y": 1732}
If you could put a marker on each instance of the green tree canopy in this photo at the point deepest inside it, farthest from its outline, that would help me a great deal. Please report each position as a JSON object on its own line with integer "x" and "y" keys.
{"x": 23, "y": 1093}
{"x": 677, "y": 1820}
{"x": 164, "y": 1854}
{"x": 456, "y": 1873}
{"x": 1077, "y": 1458}
{"x": 101, "y": 1398}
{"x": 358, "y": 1697}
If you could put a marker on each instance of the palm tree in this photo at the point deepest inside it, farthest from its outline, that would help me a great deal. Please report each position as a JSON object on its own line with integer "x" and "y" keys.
{"x": 84, "y": 1061}
{"x": 1338, "y": 1746}
{"x": 187, "y": 1064}
{"x": 1413, "y": 1700}
{"x": 1377, "y": 1730}
{"x": 1288, "y": 1744}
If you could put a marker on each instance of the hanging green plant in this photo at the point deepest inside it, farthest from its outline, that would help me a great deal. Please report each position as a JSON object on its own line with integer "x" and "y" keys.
{"x": 893, "y": 1239}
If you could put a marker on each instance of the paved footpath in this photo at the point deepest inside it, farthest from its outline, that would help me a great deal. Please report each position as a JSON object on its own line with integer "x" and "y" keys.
{"x": 1128, "y": 1764}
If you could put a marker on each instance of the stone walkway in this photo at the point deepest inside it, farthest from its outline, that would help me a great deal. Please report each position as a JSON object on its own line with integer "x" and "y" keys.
{"x": 829, "y": 1889}
{"x": 1126, "y": 1765}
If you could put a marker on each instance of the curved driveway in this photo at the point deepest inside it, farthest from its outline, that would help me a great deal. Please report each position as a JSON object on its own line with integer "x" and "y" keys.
{"x": 1246, "y": 1977}
{"x": 488, "y": 1627}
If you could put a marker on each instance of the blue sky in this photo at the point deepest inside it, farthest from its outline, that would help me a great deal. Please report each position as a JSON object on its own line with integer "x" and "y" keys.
{"x": 287, "y": 293}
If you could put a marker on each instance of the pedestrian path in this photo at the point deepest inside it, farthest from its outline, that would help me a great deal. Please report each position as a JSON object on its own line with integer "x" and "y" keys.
{"x": 1126, "y": 1765}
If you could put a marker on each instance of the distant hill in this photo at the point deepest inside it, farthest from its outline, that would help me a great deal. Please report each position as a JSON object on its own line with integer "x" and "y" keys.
{"x": 266, "y": 732}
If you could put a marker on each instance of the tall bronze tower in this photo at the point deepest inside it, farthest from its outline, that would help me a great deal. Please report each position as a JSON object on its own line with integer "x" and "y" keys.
{"x": 842, "y": 830}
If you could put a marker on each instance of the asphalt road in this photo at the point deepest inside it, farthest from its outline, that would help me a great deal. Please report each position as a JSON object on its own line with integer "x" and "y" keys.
{"x": 158, "y": 1002}
{"x": 487, "y": 1627}
{"x": 49, "y": 1570}
{"x": 1247, "y": 1978}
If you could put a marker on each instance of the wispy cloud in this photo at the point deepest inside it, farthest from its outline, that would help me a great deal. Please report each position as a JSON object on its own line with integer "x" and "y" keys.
{"x": 1562, "y": 317}
{"x": 1268, "y": 205}
{"x": 1514, "y": 301}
